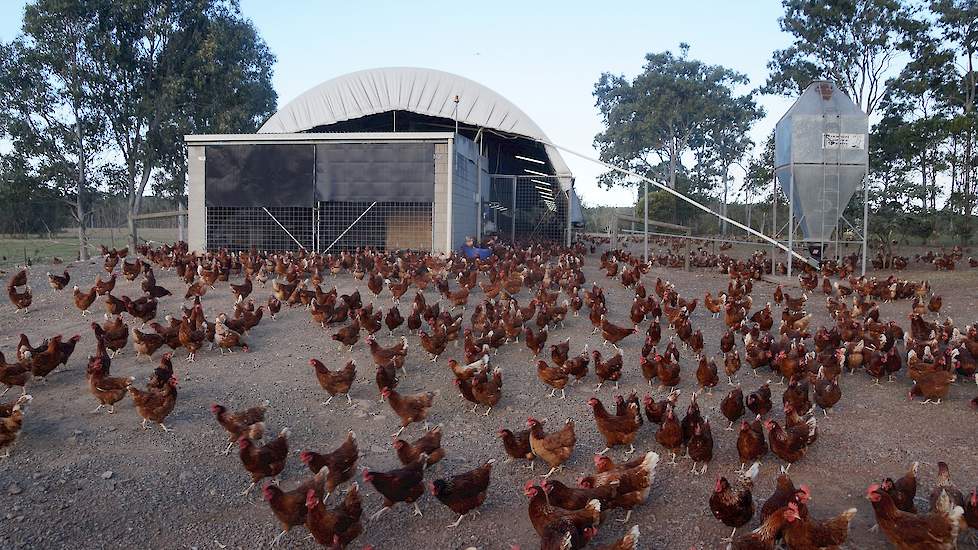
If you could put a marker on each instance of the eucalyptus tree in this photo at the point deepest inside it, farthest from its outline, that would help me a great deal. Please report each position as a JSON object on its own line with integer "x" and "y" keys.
{"x": 47, "y": 110}
{"x": 855, "y": 43}
{"x": 168, "y": 68}
{"x": 652, "y": 120}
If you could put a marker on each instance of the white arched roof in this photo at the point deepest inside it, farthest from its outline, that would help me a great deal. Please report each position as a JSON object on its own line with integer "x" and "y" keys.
{"x": 423, "y": 91}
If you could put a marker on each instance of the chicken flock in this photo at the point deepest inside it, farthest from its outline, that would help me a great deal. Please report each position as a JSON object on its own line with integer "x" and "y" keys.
{"x": 527, "y": 294}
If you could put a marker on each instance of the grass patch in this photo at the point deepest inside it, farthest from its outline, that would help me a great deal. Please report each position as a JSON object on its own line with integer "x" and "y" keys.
{"x": 19, "y": 249}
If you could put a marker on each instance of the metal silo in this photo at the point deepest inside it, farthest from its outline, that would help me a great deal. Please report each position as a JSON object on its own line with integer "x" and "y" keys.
{"x": 821, "y": 156}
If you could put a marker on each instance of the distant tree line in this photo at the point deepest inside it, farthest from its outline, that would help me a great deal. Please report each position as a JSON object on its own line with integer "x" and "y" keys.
{"x": 909, "y": 65}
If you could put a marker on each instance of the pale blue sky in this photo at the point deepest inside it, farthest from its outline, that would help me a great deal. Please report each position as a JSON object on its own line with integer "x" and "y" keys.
{"x": 543, "y": 56}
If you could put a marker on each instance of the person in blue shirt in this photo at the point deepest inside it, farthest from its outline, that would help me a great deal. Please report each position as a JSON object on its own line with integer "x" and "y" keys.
{"x": 470, "y": 250}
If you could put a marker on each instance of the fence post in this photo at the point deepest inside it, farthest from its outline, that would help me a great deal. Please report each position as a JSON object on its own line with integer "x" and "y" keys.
{"x": 686, "y": 254}
{"x": 512, "y": 218}
{"x": 181, "y": 223}
{"x": 568, "y": 239}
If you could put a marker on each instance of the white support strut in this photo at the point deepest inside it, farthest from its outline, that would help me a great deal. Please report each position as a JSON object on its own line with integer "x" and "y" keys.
{"x": 283, "y": 228}
{"x": 347, "y": 230}
{"x": 680, "y": 196}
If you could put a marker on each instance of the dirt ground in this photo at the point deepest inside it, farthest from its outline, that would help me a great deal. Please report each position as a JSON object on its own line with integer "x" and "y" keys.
{"x": 82, "y": 480}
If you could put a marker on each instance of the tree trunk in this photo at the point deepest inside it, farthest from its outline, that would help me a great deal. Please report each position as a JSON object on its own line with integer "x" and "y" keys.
{"x": 923, "y": 181}
{"x": 672, "y": 183}
{"x": 726, "y": 182}
{"x": 136, "y": 200}
{"x": 131, "y": 223}
{"x": 82, "y": 234}
{"x": 79, "y": 200}
{"x": 966, "y": 168}
{"x": 969, "y": 106}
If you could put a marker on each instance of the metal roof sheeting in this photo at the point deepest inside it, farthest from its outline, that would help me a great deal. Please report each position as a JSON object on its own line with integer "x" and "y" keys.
{"x": 423, "y": 91}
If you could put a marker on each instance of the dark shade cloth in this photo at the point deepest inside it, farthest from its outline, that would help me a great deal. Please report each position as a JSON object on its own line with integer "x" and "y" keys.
{"x": 385, "y": 172}
{"x": 270, "y": 175}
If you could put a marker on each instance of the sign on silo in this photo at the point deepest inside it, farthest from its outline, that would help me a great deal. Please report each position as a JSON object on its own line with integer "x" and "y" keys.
{"x": 821, "y": 154}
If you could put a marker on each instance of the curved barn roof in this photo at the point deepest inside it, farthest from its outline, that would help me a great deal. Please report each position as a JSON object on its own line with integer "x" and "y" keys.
{"x": 423, "y": 91}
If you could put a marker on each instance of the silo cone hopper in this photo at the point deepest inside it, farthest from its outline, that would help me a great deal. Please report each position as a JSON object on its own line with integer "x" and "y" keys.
{"x": 821, "y": 156}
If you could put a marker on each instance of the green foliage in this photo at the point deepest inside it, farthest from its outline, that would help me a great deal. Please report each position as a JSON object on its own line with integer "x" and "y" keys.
{"x": 760, "y": 172}
{"x": 851, "y": 42}
{"x": 170, "y": 68}
{"x": 600, "y": 218}
{"x": 228, "y": 87}
{"x": 660, "y": 206}
{"x": 99, "y": 93}
{"x": 24, "y": 206}
{"x": 676, "y": 103}
{"x": 46, "y": 111}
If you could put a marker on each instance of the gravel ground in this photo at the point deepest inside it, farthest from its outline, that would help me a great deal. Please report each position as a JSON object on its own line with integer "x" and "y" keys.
{"x": 83, "y": 480}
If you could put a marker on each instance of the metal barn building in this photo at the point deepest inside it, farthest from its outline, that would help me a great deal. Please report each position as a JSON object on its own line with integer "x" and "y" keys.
{"x": 395, "y": 158}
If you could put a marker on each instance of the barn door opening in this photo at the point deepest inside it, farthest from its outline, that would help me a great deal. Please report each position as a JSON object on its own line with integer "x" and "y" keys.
{"x": 526, "y": 209}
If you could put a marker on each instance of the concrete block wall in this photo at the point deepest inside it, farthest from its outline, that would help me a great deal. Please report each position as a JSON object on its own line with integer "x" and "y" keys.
{"x": 439, "y": 215}
{"x": 197, "y": 211}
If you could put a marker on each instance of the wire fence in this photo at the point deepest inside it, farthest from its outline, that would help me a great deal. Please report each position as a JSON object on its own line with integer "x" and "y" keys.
{"x": 38, "y": 231}
{"x": 239, "y": 228}
{"x": 380, "y": 225}
{"x": 527, "y": 208}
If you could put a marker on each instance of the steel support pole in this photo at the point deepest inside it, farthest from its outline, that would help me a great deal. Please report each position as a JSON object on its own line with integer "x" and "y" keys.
{"x": 450, "y": 194}
{"x": 291, "y": 236}
{"x": 791, "y": 217}
{"x": 315, "y": 228}
{"x": 865, "y": 219}
{"x": 726, "y": 183}
{"x": 645, "y": 215}
{"x": 567, "y": 240}
{"x": 345, "y": 231}
{"x": 478, "y": 189}
{"x": 686, "y": 250}
{"x": 512, "y": 217}
{"x": 774, "y": 217}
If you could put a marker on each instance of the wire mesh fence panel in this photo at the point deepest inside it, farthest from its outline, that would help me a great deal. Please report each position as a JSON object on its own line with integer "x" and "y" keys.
{"x": 498, "y": 209}
{"x": 241, "y": 228}
{"x": 381, "y": 225}
{"x": 527, "y": 208}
